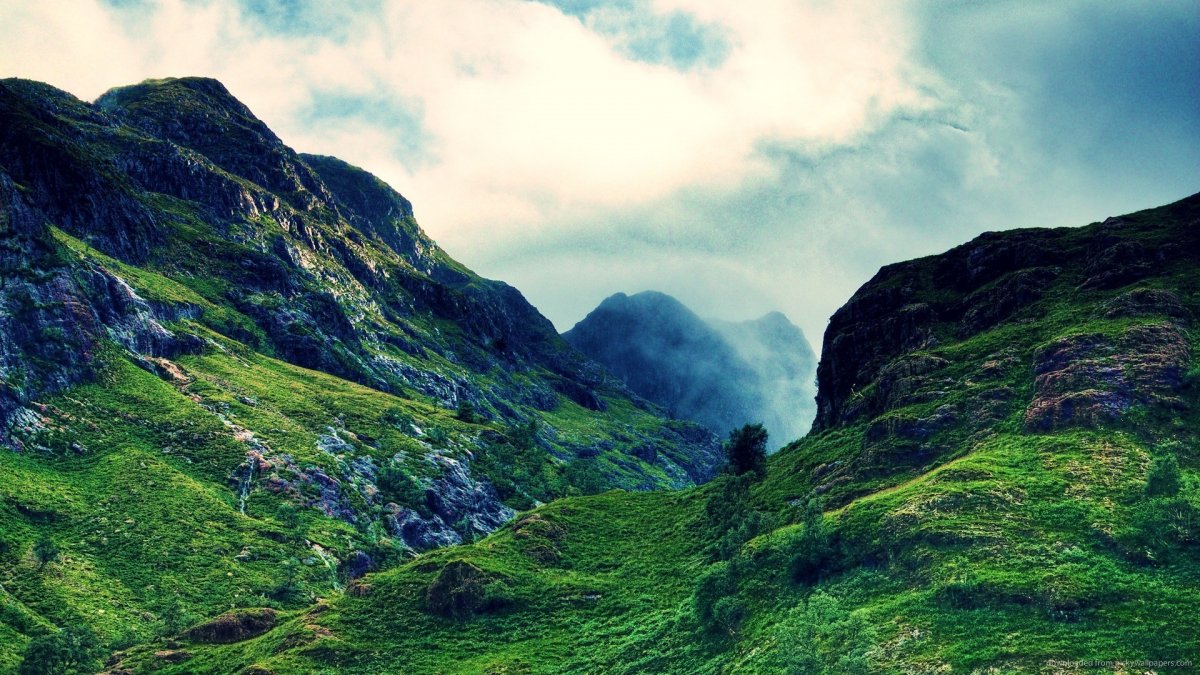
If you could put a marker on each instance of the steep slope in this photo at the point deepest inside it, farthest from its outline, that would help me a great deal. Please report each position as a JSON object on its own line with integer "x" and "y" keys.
{"x": 1003, "y": 478}
{"x": 721, "y": 374}
{"x": 218, "y": 356}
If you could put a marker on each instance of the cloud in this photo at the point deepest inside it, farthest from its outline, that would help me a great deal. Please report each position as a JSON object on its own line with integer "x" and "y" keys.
{"x": 743, "y": 158}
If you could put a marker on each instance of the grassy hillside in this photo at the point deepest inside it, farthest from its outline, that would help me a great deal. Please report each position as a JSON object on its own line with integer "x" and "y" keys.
{"x": 1015, "y": 492}
{"x": 232, "y": 376}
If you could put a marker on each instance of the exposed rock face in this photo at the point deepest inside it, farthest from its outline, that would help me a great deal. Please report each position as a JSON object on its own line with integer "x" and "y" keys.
{"x": 234, "y": 626}
{"x": 881, "y": 349}
{"x": 1087, "y": 379}
{"x": 721, "y": 374}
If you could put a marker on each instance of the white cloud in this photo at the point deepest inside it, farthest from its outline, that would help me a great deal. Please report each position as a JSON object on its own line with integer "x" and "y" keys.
{"x": 533, "y": 115}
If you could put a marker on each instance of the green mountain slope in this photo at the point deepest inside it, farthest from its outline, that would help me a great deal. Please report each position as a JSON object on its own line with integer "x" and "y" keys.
{"x": 1003, "y": 478}
{"x": 232, "y": 375}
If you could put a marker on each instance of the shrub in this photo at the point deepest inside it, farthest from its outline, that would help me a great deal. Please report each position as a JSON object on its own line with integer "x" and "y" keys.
{"x": 728, "y": 613}
{"x": 45, "y": 551}
{"x": 815, "y": 552}
{"x": 1161, "y": 528}
{"x": 70, "y": 650}
{"x": 1163, "y": 478}
{"x": 289, "y": 518}
{"x": 715, "y": 583}
{"x": 173, "y": 615}
{"x": 466, "y": 411}
{"x": 584, "y": 476}
{"x": 821, "y": 636}
{"x": 396, "y": 486}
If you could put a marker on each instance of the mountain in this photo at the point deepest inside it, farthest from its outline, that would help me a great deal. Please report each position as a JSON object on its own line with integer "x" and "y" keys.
{"x": 785, "y": 366}
{"x": 233, "y": 373}
{"x": 721, "y": 374}
{"x": 1002, "y": 477}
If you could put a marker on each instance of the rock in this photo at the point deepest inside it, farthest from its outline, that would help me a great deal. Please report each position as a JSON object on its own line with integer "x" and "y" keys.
{"x": 418, "y": 532}
{"x": 1118, "y": 265}
{"x": 459, "y": 591}
{"x": 993, "y": 304}
{"x": 1145, "y": 302}
{"x": 172, "y": 655}
{"x": 357, "y": 565}
{"x": 1088, "y": 379}
{"x": 235, "y": 626}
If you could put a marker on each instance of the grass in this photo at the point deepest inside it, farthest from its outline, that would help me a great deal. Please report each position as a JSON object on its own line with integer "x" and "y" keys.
{"x": 980, "y": 547}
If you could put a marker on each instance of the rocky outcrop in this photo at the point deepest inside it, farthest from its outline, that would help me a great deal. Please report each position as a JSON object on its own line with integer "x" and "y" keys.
{"x": 234, "y": 626}
{"x": 881, "y": 351}
{"x": 55, "y": 318}
{"x": 1088, "y": 379}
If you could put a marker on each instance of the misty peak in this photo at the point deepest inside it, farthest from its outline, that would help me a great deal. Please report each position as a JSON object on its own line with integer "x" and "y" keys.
{"x": 719, "y": 373}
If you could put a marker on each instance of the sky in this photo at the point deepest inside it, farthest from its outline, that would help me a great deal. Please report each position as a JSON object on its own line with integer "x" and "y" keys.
{"x": 741, "y": 156}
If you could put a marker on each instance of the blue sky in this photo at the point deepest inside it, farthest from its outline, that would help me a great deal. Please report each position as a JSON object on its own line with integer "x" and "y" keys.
{"x": 745, "y": 157}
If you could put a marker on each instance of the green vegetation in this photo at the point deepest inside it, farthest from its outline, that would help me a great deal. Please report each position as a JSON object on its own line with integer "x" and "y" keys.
{"x": 68, "y": 651}
{"x": 746, "y": 450}
{"x": 1003, "y": 471}
{"x": 910, "y": 541}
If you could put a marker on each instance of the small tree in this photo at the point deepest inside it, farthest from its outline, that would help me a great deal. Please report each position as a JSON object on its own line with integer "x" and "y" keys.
{"x": 45, "y": 551}
{"x": 746, "y": 450}
{"x": 466, "y": 411}
{"x": 70, "y": 650}
{"x": 1163, "y": 477}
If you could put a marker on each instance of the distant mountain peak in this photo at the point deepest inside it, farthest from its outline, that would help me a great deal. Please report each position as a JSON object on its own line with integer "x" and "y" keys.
{"x": 719, "y": 373}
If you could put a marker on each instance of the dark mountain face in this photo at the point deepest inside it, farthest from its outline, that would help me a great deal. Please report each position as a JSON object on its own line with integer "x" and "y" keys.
{"x": 166, "y": 222}
{"x": 721, "y": 374}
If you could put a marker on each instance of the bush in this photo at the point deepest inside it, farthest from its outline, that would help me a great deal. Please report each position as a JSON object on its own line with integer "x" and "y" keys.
{"x": 173, "y": 615}
{"x": 466, "y": 412}
{"x": 396, "y": 486}
{"x": 746, "y": 450}
{"x": 715, "y": 583}
{"x": 815, "y": 553}
{"x": 1162, "y": 528}
{"x": 1163, "y": 479}
{"x": 70, "y": 650}
{"x": 728, "y": 613}
{"x": 45, "y": 551}
{"x": 584, "y": 476}
{"x": 821, "y": 636}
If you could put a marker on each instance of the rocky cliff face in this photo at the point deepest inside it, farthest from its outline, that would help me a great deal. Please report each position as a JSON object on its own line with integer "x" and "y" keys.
{"x": 166, "y": 218}
{"x": 915, "y": 354}
{"x": 721, "y": 374}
